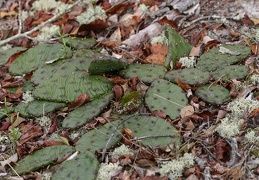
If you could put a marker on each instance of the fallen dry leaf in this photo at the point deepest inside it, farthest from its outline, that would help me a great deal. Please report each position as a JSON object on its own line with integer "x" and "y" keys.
{"x": 80, "y": 100}
{"x": 186, "y": 111}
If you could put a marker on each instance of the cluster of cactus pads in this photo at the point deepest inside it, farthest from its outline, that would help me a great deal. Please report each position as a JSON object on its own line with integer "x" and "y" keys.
{"x": 62, "y": 72}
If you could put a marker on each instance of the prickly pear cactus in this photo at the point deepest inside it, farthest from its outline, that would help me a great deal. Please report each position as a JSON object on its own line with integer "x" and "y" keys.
{"x": 5, "y": 55}
{"x": 35, "y": 57}
{"x": 79, "y": 43}
{"x": 165, "y": 96}
{"x": 82, "y": 166}
{"x": 154, "y": 129}
{"x": 87, "y": 112}
{"x": 106, "y": 64}
{"x": 146, "y": 72}
{"x": 189, "y": 76}
{"x": 214, "y": 94}
{"x": 95, "y": 140}
{"x": 177, "y": 46}
{"x": 37, "y": 108}
{"x": 67, "y": 89}
{"x": 216, "y": 58}
{"x": 230, "y": 72}
{"x": 42, "y": 158}
{"x": 63, "y": 68}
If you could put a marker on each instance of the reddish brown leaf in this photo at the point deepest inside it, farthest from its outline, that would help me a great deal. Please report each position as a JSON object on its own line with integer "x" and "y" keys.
{"x": 16, "y": 95}
{"x": 127, "y": 136}
{"x": 185, "y": 86}
{"x": 222, "y": 150}
{"x": 158, "y": 113}
{"x": 165, "y": 21}
{"x": 11, "y": 84}
{"x": 145, "y": 163}
{"x": 96, "y": 25}
{"x": 52, "y": 143}
{"x": 29, "y": 131}
{"x": 254, "y": 113}
{"x": 153, "y": 178}
{"x": 118, "y": 91}
{"x": 80, "y": 100}
{"x": 151, "y": 2}
{"x": 117, "y": 80}
{"x": 5, "y": 125}
{"x": 117, "y": 9}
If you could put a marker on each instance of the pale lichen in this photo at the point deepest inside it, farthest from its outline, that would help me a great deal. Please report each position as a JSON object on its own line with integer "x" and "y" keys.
{"x": 159, "y": 39}
{"x": 47, "y": 32}
{"x": 242, "y": 105}
{"x": 174, "y": 169}
{"x": 119, "y": 151}
{"x": 47, "y": 5}
{"x": 252, "y": 137}
{"x": 229, "y": 127}
{"x": 255, "y": 79}
{"x": 27, "y": 97}
{"x": 188, "y": 62}
{"x": 91, "y": 14}
{"x": 105, "y": 169}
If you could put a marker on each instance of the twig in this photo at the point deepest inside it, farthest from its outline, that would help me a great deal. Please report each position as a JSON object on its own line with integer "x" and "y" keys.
{"x": 25, "y": 34}
{"x": 154, "y": 136}
{"x": 19, "y": 17}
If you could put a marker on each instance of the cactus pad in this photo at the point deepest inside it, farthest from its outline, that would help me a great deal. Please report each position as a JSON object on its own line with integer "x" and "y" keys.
{"x": 106, "y": 64}
{"x": 41, "y": 158}
{"x": 67, "y": 89}
{"x": 95, "y": 140}
{"x": 165, "y": 96}
{"x": 146, "y": 72}
{"x": 214, "y": 59}
{"x": 38, "y": 108}
{"x": 152, "y": 127}
{"x": 177, "y": 46}
{"x": 5, "y": 55}
{"x": 230, "y": 72}
{"x": 87, "y": 112}
{"x": 35, "y": 57}
{"x": 189, "y": 76}
{"x": 82, "y": 166}
{"x": 79, "y": 43}
{"x": 214, "y": 94}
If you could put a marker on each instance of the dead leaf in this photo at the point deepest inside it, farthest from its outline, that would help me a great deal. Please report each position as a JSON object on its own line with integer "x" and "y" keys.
{"x": 222, "y": 150}
{"x": 80, "y": 100}
{"x": 255, "y": 21}
{"x": 11, "y": 13}
{"x": 196, "y": 51}
{"x": 186, "y": 111}
{"x": 116, "y": 35}
{"x": 127, "y": 136}
{"x": 158, "y": 113}
{"x": 146, "y": 163}
{"x": 185, "y": 86}
{"x": 118, "y": 91}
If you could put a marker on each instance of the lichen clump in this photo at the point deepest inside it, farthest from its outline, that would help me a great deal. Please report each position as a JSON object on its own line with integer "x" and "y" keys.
{"x": 188, "y": 62}
{"x": 105, "y": 169}
{"x": 229, "y": 127}
{"x": 119, "y": 151}
{"x": 174, "y": 169}
{"x": 241, "y": 105}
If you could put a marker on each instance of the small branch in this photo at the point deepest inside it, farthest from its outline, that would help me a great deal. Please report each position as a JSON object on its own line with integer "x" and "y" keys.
{"x": 25, "y": 34}
{"x": 19, "y": 17}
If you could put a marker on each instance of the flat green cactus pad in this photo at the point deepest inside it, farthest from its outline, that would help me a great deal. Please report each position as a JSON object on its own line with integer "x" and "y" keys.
{"x": 189, "y": 76}
{"x": 214, "y": 94}
{"x": 230, "y": 72}
{"x": 177, "y": 46}
{"x": 42, "y": 158}
{"x": 84, "y": 165}
{"x": 165, "y": 96}
{"x": 35, "y": 57}
{"x": 62, "y": 68}
{"x": 79, "y": 43}
{"x": 96, "y": 139}
{"x": 215, "y": 59}
{"x": 5, "y": 55}
{"x": 146, "y": 72}
{"x": 87, "y": 112}
{"x": 67, "y": 89}
{"x": 106, "y": 64}
{"x": 38, "y": 108}
{"x": 154, "y": 129}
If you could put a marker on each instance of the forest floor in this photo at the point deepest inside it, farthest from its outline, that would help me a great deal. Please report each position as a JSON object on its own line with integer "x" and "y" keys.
{"x": 206, "y": 140}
